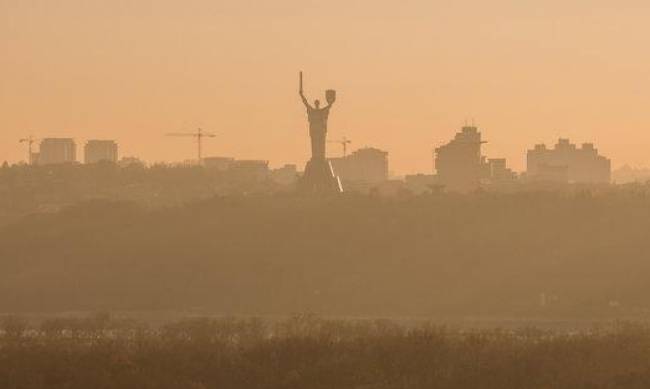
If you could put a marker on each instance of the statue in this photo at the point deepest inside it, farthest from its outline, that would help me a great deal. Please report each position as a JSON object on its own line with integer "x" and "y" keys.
{"x": 319, "y": 176}
{"x": 317, "y": 117}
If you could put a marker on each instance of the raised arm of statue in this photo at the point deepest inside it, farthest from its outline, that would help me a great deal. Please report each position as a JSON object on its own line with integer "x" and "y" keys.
{"x": 304, "y": 100}
{"x": 302, "y": 94}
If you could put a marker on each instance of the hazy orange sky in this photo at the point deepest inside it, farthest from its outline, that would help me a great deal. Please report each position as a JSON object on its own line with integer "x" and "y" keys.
{"x": 408, "y": 74}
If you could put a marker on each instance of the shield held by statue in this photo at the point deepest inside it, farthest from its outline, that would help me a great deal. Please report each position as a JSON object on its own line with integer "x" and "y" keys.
{"x": 330, "y": 96}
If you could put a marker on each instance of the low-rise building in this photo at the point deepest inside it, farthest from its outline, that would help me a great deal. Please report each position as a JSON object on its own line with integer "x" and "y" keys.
{"x": 498, "y": 171}
{"x": 249, "y": 170}
{"x": 367, "y": 165}
{"x": 218, "y": 163}
{"x": 286, "y": 175}
{"x": 125, "y": 162}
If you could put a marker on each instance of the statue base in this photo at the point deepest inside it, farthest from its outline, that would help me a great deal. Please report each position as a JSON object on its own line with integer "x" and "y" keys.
{"x": 319, "y": 178}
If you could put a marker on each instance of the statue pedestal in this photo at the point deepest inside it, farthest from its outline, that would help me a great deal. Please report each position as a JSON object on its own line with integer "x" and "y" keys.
{"x": 319, "y": 178}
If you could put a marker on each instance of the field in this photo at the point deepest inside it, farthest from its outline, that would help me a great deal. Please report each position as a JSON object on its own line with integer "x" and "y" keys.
{"x": 305, "y": 351}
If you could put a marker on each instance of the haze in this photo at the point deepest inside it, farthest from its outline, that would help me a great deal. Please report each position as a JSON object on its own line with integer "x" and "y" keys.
{"x": 408, "y": 74}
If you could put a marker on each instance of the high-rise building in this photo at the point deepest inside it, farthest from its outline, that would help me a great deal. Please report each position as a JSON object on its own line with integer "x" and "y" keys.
{"x": 567, "y": 162}
{"x": 57, "y": 150}
{"x": 100, "y": 151}
{"x": 367, "y": 165}
{"x": 459, "y": 164}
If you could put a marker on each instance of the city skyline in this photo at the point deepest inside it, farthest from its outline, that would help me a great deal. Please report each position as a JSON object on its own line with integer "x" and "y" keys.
{"x": 408, "y": 78}
{"x": 348, "y": 194}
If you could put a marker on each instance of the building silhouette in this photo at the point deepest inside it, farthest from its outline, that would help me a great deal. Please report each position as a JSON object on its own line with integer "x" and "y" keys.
{"x": 218, "y": 163}
{"x": 56, "y": 151}
{"x": 250, "y": 170}
{"x": 496, "y": 171}
{"x": 96, "y": 151}
{"x": 126, "y": 162}
{"x": 364, "y": 166}
{"x": 461, "y": 167}
{"x": 459, "y": 164}
{"x": 285, "y": 175}
{"x": 567, "y": 163}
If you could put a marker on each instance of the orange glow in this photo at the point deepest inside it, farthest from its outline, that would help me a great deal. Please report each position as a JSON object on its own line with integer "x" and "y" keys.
{"x": 407, "y": 73}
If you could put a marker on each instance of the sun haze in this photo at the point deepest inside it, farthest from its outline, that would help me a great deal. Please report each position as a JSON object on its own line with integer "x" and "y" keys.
{"x": 407, "y": 74}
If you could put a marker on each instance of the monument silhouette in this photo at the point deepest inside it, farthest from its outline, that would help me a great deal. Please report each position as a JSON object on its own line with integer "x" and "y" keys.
{"x": 319, "y": 176}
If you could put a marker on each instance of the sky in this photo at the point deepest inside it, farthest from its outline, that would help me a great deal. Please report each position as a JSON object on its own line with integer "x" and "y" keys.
{"x": 408, "y": 74}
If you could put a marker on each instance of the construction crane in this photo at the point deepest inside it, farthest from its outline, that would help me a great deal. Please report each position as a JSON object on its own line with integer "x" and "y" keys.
{"x": 199, "y": 135}
{"x": 30, "y": 141}
{"x": 343, "y": 142}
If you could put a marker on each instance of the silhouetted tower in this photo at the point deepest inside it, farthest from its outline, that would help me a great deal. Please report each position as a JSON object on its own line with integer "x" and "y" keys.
{"x": 199, "y": 135}
{"x": 459, "y": 162}
{"x": 343, "y": 142}
{"x": 30, "y": 141}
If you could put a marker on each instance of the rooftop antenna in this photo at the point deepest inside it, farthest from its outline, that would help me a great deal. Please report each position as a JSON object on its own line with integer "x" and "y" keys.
{"x": 30, "y": 141}
{"x": 199, "y": 135}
